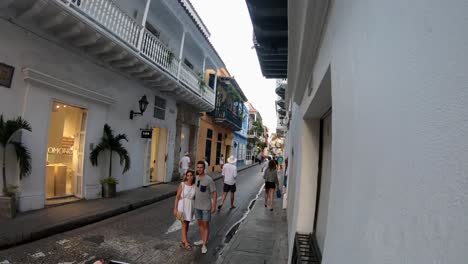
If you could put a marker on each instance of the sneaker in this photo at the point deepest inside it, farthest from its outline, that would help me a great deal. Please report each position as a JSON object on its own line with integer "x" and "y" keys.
{"x": 198, "y": 243}
{"x": 204, "y": 249}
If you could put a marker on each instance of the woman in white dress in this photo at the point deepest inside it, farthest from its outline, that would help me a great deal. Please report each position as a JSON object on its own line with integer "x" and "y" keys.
{"x": 184, "y": 203}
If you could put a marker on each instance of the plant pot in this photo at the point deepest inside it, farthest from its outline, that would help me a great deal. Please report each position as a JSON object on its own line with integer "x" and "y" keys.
{"x": 108, "y": 190}
{"x": 7, "y": 206}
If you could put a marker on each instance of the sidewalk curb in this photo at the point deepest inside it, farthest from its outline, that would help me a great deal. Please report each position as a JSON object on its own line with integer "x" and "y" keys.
{"x": 87, "y": 220}
{"x": 80, "y": 222}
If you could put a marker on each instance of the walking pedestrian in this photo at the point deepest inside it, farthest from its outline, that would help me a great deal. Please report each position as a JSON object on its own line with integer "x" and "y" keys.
{"x": 230, "y": 174}
{"x": 184, "y": 164}
{"x": 205, "y": 204}
{"x": 221, "y": 162}
{"x": 271, "y": 183}
{"x": 183, "y": 205}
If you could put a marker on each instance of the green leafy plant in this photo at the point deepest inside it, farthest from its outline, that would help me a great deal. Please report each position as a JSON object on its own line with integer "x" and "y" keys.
{"x": 110, "y": 180}
{"x": 170, "y": 57}
{"x": 201, "y": 83}
{"x": 8, "y": 129}
{"x": 110, "y": 142}
{"x": 257, "y": 127}
{"x": 233, "y": 93}
{"x": 11, "y": 190}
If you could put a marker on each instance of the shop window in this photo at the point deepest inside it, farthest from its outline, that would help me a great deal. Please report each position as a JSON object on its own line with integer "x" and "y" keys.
{"x": 159, "y": 108}
{"x": 65, "y": 151}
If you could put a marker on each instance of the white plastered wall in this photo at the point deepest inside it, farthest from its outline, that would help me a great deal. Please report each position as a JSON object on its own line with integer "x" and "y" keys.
{"x": 399, "y": 190}
{"x": 23, "y": 49}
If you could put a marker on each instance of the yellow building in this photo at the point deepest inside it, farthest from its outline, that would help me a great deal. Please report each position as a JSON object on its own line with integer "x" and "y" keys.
{"x": 216, "y": 132}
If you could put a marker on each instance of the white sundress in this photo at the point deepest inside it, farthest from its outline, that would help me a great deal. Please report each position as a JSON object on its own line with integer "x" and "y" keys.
{"x": 186, "y": 201}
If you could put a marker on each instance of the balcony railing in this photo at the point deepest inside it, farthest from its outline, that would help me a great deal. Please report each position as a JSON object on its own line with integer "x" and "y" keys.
{"x": 107, "y": 15}
{"x": 153, "y": 49}
{"x": 227, "y": 118}
{"x": 189, "y": 78}
{"x": 111, "y": 17}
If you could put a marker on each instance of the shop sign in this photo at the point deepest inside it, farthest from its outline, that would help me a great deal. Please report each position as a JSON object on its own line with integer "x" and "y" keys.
{"x": 146, "y": 133}
{"x": 60, "y": 151}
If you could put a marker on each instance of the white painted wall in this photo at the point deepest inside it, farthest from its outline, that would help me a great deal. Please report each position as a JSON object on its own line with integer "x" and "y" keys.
{"x": 24, "y": 50}
{"x": 399, "y": 189}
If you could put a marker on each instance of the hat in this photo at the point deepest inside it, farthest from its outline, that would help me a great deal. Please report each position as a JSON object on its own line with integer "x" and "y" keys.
{"x": 186, "y": 153}
{"x": 231, "y": 159}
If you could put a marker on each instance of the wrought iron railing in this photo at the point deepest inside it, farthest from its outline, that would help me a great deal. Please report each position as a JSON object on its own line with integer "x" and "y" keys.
{"x": 223, "y": 114}
{"x": 306, "y": 250}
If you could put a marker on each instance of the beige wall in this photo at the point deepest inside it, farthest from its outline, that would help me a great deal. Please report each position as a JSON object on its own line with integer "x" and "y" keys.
{"x": 205, "y": 123}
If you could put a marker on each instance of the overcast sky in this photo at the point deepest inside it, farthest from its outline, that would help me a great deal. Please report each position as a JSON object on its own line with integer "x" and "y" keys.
{"x": 231, "y": 34}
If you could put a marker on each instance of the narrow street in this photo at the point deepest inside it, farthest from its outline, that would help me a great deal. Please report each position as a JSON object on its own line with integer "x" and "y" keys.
{"x": 146, "y": 235}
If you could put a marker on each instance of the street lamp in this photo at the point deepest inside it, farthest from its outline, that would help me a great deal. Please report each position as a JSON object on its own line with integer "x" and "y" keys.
{"x": 143, "y": 103}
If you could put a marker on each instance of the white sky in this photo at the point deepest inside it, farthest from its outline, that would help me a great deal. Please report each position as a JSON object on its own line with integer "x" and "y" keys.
{"x": 231, "y": 34}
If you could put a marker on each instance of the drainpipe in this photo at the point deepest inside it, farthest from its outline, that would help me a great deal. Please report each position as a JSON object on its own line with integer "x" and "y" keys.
{"x": 143, "y": 24}
{"x": 181, "y": 53}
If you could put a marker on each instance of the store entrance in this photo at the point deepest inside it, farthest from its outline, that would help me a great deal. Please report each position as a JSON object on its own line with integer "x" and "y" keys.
{"x": 65, "y": 153}
{"x": 158, "y": 155}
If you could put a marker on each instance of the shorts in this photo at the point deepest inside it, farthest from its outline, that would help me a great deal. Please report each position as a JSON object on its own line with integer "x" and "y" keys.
{"x": 204, "y": 215}
{"x": 270, "y": 185}
{"x": 229, "y": 188}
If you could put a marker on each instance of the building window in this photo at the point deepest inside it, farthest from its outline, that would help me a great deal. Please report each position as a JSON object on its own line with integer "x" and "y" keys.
{"x": 153, "y": 30}
{"x": 159, "y": 108}
{"x": 218, "y": 147}
{"x": 211, "y": 81}
{"x": 209, "y": 138}
{"x": 188, "y": 63}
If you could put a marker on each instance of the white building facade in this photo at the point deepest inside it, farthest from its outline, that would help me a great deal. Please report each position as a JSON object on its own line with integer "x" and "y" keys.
{"x": 378, "y": 138}
{"x": 81, "y": 64}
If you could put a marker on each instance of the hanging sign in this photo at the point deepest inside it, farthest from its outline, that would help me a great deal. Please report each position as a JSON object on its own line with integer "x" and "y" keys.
{"x": 146, "y": 133}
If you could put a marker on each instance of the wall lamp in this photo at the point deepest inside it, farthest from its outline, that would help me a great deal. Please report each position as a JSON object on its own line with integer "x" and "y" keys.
{"x": 143, "y": 103}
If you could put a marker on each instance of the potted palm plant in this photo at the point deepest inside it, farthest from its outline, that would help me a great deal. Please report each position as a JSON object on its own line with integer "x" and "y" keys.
{"x": 8, "y": 129}
{"x": 110, "y": 142}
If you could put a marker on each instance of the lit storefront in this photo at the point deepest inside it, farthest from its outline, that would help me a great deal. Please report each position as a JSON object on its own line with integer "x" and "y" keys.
{"x": 65, "y": 151}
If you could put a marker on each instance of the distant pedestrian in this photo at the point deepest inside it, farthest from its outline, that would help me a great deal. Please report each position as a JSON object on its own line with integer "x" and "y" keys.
{"x": 183, "y": 205}
{"x": 206, "y": 165}
{"x": 280, "y": 162}
{"x": 184, "y": 164}
{"x": 271, "y": 183}
{"x": 205, "y": 204}
{"x": 221, "y": 162}
{"x": 230, "y": 174}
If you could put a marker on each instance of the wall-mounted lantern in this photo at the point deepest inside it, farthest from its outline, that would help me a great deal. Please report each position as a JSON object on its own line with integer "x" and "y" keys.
{"x": 143, "y": 103}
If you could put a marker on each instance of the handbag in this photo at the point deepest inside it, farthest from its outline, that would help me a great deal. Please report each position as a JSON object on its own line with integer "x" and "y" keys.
{"x": 278, "y": 193}
{"x": 180, "y": 215}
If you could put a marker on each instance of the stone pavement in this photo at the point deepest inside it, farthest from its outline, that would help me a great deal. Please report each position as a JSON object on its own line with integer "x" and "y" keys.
{"x": 261, "y": 238}
{"x": 34, "y": 225}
